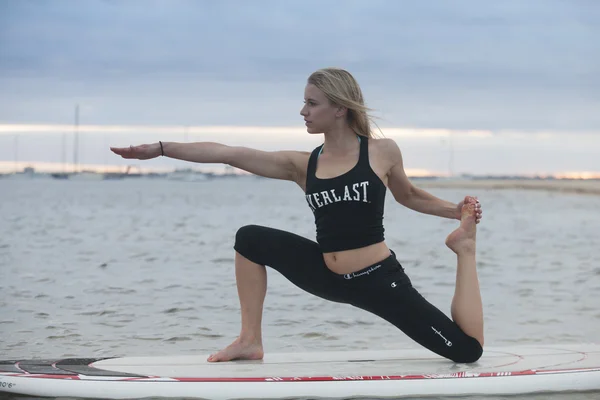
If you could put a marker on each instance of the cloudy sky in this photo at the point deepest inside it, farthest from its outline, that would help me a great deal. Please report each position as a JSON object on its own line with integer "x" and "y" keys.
{"x": 507, "y": 87}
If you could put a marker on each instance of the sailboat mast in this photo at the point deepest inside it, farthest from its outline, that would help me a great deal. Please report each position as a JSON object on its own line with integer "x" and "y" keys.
{"x": 63, "y": 158}
{"x": 76, "y": 140}
{"x": 17, "y": 153}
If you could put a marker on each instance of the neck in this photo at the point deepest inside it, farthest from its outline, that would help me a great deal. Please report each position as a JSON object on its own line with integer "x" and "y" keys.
{"x": 340, "y": 142}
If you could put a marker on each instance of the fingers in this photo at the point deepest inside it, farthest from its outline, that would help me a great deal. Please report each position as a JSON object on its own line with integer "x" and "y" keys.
{"x": 478, "y": 211}
{"x": 119, "y": 150}
{"x": 472, "y": 200}
{"x": 125, "y": 152}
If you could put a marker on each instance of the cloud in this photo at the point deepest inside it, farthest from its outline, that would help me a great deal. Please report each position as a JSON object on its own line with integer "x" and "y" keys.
{"x": 462, "y": 64}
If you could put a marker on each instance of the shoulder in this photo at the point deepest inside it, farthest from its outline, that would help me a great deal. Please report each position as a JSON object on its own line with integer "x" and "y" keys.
{"x": 299, "y": 155}
{"x": 298, "y": 158}
{"x": 386, "y": 149}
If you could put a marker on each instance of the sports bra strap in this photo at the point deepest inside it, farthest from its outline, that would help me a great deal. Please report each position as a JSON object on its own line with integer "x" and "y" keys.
{"x": 320, "y": 151}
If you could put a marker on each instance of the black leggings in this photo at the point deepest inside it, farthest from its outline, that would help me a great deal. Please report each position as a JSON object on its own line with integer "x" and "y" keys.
{"x": 382, "y": 289}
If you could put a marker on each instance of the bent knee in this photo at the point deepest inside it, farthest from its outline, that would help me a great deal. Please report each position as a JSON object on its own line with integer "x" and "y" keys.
{"x": 246, "y": 233}
{"x": 470, "y": 354}
{"x": 247, "y": 240}
{"x": 246, "y": 236}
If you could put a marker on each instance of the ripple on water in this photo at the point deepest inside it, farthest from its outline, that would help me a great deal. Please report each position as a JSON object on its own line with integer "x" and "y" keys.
{"x": 178, "y": 339}
{"x": 145, "y": 281}
{"x": 175, "y": 310}
{"x": 110, "y": 325}
{"x": 318, "y": 335}
{"x": 224, "y": 260}
{"x": 66, "y": 336}
{"x": 148, "y": 338}
{"x": 97, "y": 313}
{"x": 174, "y": 286}
{"x": 208, "y": 335}
{"x": 289, "y": 322}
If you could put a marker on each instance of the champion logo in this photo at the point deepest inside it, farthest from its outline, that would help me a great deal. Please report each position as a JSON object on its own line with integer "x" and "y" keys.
{"x": 439, "y": 333}
{"x": 366, "y": 272}
{"x": 394, "y": 284}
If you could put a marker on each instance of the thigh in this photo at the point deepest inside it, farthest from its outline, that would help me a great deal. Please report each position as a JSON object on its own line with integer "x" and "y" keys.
{"x": 297, "y": 258}
{"x": 391, "y": 296}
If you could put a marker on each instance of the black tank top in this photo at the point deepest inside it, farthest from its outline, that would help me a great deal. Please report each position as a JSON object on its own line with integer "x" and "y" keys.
{"x": 348, "y": 209}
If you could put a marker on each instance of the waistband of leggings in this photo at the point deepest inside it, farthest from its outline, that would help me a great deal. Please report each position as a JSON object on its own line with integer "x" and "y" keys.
{"x": 365, "y": 272}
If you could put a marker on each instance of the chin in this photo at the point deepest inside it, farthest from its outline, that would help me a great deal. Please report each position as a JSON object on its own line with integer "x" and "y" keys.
{"x": 313, "y": 131}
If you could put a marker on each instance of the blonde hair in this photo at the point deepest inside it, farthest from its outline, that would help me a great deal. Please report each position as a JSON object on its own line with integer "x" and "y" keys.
{"x": 340, "y": 88}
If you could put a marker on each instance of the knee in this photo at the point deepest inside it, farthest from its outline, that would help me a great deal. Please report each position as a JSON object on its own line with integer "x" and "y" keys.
{"x": 247, "y": 234}
{"x": 247, "y": 239}
{"x": 470, "y": 355}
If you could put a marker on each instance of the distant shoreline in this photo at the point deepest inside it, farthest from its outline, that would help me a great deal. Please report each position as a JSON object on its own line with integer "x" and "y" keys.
{"x": 576, "y": 186}
{"x": 560, "y": 185}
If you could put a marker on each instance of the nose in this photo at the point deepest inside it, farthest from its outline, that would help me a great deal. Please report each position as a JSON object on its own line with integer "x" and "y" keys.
{"x": 303, "y": 111}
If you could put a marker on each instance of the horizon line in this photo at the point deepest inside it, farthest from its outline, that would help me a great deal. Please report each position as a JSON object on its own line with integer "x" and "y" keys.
{"x": 58, "y": 167}
{"x": 12, "y": 129}
{"x": 407, "y": 131}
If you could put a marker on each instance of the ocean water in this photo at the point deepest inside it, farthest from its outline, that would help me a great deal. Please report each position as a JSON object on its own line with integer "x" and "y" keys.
{"x": 145, "y": 267}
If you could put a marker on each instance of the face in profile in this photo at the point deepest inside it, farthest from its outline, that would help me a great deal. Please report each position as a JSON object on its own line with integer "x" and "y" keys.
{"x": 319, "y": 114}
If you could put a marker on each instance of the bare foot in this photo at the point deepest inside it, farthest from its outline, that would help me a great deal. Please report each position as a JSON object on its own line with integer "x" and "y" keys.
{"x": 462, "y": 239}
{"x": 239, "y": 350}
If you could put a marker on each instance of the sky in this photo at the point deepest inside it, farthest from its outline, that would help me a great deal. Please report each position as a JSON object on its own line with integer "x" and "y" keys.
{"x": 463, "y": 86}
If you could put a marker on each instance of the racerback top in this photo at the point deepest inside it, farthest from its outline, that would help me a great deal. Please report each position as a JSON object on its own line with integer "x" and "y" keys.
{"x": 348, "y": 209}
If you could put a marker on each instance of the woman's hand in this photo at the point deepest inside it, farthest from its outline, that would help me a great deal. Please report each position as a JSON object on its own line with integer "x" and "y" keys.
{"x": 467, "y": 200}
{"x": 141, "y": 152}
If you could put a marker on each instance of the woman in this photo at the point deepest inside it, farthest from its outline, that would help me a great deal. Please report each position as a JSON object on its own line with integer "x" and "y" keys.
{"x": 345, "y": 182}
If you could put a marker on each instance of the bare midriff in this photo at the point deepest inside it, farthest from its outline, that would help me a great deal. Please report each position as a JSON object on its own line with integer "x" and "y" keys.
{"x": 348, "y": 261}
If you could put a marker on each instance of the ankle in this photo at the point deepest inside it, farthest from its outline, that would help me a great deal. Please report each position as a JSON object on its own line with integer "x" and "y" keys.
{"x": 250, "y": 338}
{"x": 467, "y": 248}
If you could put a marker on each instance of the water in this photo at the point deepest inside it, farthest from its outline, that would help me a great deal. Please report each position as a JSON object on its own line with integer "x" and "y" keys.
{"x": 145, "y": 267}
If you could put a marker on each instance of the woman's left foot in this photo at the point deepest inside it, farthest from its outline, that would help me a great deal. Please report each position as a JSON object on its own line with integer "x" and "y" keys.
{"x": 462, "y": 240}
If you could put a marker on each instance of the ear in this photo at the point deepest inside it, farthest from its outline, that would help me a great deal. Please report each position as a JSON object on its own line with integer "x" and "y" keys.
{"x": 341, "y": 112}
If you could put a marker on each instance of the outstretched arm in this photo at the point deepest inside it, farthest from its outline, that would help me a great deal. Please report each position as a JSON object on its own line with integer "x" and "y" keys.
{"x": 411, "y": 196}
{"x": 270, "y": 164}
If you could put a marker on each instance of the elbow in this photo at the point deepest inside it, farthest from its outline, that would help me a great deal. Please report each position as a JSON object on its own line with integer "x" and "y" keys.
{"x": 227, "y": 154}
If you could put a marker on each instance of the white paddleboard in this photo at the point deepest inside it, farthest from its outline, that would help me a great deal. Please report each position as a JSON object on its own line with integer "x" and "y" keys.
{"x": 393, "y": 373}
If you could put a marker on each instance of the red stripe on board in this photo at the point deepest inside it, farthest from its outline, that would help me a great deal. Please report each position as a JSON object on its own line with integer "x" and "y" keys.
{"x": 464, "y": 374}
{"x": 387, "y": 378}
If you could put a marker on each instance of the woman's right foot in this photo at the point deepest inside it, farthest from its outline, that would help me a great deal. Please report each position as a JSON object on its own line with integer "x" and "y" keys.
{"x": 239, "y": 350}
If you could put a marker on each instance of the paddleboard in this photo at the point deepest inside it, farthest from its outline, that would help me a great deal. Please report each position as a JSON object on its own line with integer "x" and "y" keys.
{"x": 340, "y": 374}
